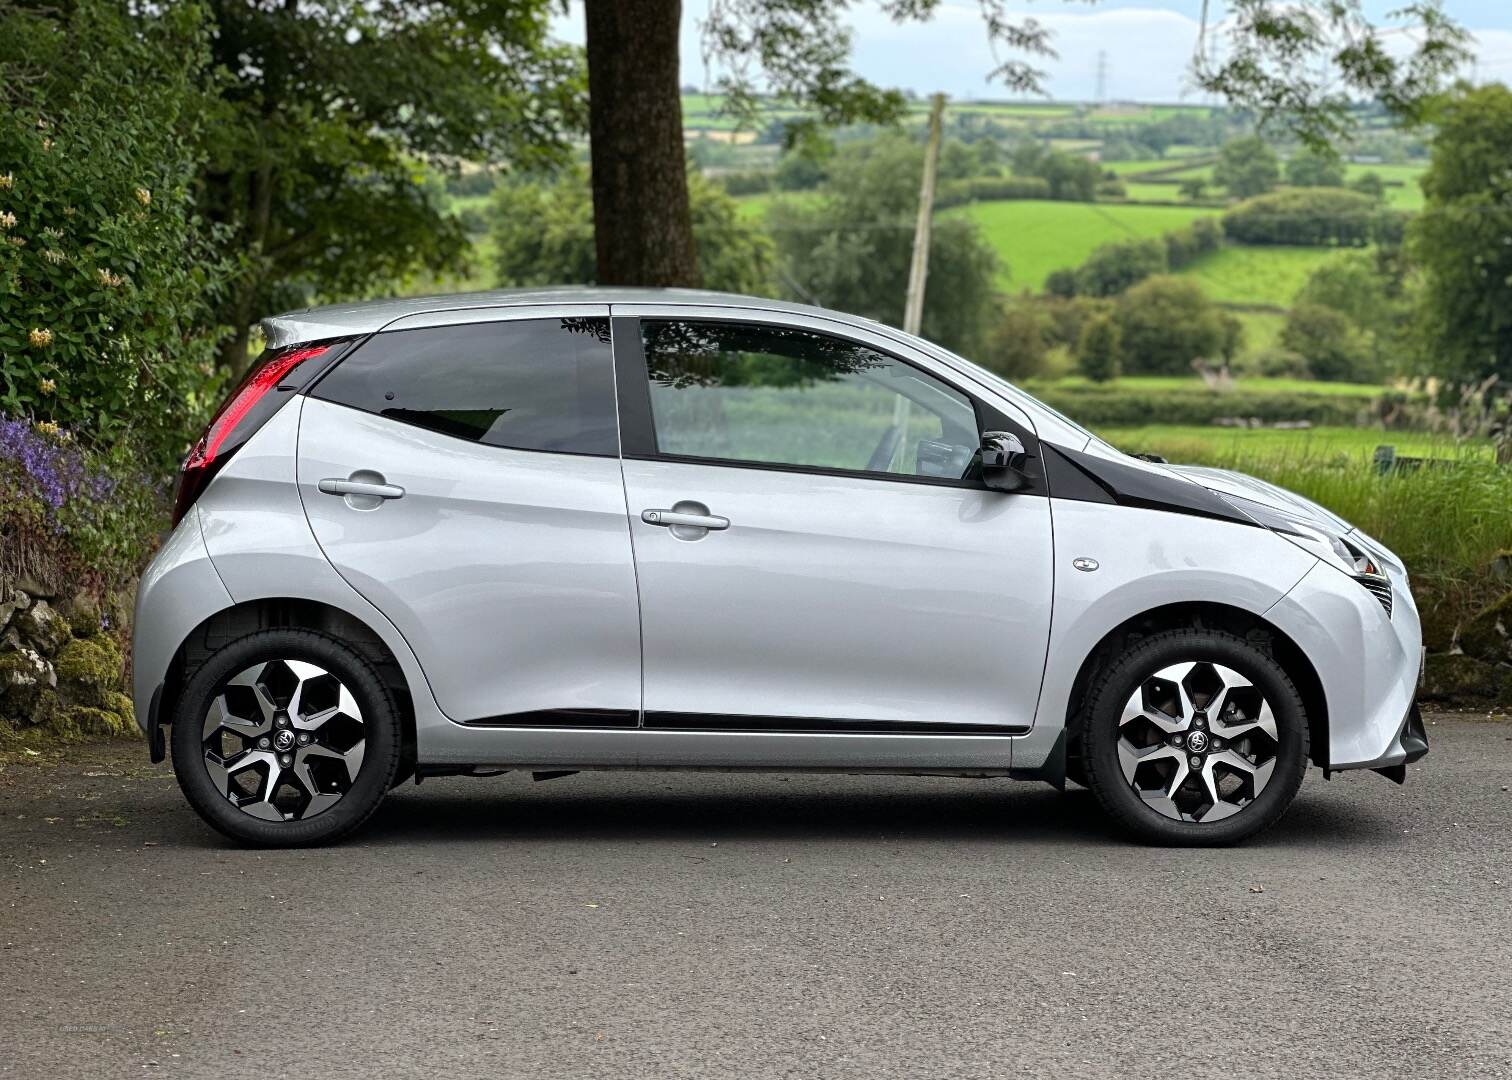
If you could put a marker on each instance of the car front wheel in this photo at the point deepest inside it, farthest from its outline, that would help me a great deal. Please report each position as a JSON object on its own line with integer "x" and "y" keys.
{"x": 285, "y": 738}
{"x": 1194, "y": 737}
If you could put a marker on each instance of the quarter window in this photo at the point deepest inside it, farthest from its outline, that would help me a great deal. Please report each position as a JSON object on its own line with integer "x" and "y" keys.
{"x": 533, "y": 384}
{"x": 759, "y": 393}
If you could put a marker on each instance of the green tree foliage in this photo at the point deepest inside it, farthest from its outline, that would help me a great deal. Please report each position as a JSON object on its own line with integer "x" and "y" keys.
{"x": 107, "y": 275}
{"x": 1460, "y": 240}
{"x": 801, "y": 171}
{"x": 543, "y": 232}
{"x": 1314, "y": 168}
{"x": 1192, "y": 189}
{"x": 1062, "y": 284}
{"x": 851, "y": 248}
{"x": 1369, "y": 184}
{"x": 1321, "y": 217}
{"x": 1247, "y": 167}
{"x": 1233, "y": 336}
{"x": 1373, "y": 291}
{"x": 1112, "y": 268}
{"x": 1272, "y": 49}
{"x": 327, "y": 110}
{"x": 1069, "y": 176}
{"x": 1097, "y": 353}
{"x": 1335, "y": 350}
{"x": 1164, "y": 324}
{"x": 1182, "y": 246}
{"x": 543, "y": 235}
{"x": 1352, "y": 284}
{"x": 1016, "y": 347}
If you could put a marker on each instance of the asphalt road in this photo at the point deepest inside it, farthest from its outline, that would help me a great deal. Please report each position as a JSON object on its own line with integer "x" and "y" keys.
{"x": 668, "y": 925}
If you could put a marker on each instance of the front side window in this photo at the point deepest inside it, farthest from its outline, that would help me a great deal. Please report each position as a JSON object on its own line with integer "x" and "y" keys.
{"x": 780, "y": 395}
{"x": 530, "y": 384}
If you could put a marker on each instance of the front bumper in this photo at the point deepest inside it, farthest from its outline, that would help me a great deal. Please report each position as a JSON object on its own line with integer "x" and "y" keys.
{"x": 1410, "y": 744}
{"x": 1367, "y": 662}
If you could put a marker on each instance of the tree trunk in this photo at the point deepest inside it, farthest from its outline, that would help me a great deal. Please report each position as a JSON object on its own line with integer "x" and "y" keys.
{"x": 642, "y": 226}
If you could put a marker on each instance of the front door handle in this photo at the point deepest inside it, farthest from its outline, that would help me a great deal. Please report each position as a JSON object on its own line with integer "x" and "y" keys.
{"x": 335, "y": 486}
{"x": 669, "y": 518}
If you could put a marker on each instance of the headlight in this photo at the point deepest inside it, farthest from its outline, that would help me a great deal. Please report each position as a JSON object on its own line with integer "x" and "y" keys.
{"x": 1334, "y": 548}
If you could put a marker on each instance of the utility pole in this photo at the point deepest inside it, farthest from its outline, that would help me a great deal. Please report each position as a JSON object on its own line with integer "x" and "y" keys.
{"x": 1102, "y": 76}
{"x": 918, "y": 271}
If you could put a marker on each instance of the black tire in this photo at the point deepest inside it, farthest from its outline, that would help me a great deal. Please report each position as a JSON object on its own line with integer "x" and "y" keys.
{"x": 381, "y": 751}
{"x": 1127, "y": 673}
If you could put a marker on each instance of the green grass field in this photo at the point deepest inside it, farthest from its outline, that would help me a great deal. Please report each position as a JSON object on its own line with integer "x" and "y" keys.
{"x": 1256, "y": 275}
{"x": 1141, "y": 191}
{"x": 1157, "y": 383}
{"x": 1142, "y": 165}
{"x": 754, "y": 207}
{"x": 1262, "y": 331}
{"x": 1403, "y": 192}
{"x": 1215, "y": 444}
{"x": 1034, "y": 238}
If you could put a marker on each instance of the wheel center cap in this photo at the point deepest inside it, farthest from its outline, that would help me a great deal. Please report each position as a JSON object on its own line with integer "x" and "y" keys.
{"x": 1197, "y": 741}
{"x": 284, "y": 740}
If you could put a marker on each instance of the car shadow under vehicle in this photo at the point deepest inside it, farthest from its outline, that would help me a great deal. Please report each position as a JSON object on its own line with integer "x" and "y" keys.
{"x": 606, "y": 807}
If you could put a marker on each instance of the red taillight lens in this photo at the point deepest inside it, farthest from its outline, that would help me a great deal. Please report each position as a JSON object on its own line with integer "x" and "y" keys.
{"x": 236, "y": 420}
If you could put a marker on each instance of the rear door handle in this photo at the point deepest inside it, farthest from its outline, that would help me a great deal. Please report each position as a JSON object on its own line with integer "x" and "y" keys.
{"x": 668, "y": 518}
{"x": 336, "y": 486}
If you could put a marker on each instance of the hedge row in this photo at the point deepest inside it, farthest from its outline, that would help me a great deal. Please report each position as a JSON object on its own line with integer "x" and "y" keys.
{"x": 1314, "y": 217}
{"x": 1110, "y": 406}
{"x": 985, "y": 188}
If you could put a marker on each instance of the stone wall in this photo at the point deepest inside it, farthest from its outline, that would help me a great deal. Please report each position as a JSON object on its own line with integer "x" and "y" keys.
{"x": 62, "y": 669}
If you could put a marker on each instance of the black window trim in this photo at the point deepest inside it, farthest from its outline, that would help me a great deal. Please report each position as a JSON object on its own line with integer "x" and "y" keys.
{"x": 637, "y": 426}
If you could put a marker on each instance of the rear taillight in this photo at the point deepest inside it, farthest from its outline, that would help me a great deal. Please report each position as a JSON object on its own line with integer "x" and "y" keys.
{"x": 248, "y": 407}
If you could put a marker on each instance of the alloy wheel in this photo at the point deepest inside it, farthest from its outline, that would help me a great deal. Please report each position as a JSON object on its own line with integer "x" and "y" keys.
{"x": 283, "y": 740}
{"x": 1197, "y": 741}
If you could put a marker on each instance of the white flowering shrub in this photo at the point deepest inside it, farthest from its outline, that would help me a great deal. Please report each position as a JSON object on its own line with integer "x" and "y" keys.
{"x": 106, "y": 272}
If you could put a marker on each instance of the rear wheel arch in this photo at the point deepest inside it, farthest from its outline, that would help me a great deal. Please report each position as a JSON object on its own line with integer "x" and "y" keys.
{"x": 1200, "y": 616}
{"x": 268, "y": 613}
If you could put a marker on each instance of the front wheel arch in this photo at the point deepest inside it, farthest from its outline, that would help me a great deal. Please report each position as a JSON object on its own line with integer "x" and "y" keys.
{"x": 1200, "y": 616}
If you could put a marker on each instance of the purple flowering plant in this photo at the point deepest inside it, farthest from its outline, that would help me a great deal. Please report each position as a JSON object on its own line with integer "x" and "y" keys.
{"x": 67, "y": 511}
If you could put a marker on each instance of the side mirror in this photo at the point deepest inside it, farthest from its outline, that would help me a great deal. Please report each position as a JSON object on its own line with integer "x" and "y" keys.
{"x": 1003, "y": 460}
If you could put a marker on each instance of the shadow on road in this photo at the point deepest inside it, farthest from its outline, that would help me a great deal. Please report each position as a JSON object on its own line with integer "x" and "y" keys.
{"x": 959, "y": 810}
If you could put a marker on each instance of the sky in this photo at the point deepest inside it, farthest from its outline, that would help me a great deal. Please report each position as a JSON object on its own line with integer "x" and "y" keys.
{"x": 1148, "y": 45}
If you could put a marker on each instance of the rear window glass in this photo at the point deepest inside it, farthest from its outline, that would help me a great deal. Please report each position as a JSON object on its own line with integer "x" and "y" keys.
{"x": 533, "y": 384}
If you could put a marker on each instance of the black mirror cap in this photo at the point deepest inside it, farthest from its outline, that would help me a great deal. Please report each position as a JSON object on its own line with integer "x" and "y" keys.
{"x": 1002, "y": 460}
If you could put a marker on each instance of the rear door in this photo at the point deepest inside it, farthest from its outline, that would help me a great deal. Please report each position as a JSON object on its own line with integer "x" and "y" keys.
{"x": 813, "y": 554}
{"x": 461, "y": 472}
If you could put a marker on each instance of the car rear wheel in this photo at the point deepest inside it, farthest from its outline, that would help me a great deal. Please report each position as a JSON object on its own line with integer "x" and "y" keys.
{"x": 285, "y": 738}
{"x": 1194, "y": 737}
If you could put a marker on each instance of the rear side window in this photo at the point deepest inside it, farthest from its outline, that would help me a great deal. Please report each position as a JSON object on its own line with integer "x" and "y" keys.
{"x": 533, "y": 384}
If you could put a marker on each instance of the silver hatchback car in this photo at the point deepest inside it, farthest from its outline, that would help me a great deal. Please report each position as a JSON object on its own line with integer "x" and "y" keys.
{"x": 619, "y": 529}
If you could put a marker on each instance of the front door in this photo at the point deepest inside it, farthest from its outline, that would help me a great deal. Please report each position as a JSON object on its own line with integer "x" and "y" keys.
{"x": 811, "y": 550}
{"x": 487, "y": 520}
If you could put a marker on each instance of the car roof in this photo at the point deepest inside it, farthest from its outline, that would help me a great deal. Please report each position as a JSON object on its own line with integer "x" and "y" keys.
{"x": 370, "y": 316}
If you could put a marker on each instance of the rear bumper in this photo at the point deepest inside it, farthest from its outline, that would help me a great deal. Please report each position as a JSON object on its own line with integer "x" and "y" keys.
{"x": 177, "y": 592}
